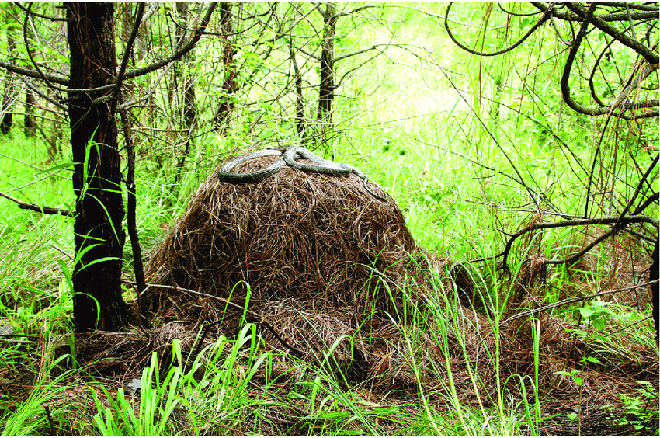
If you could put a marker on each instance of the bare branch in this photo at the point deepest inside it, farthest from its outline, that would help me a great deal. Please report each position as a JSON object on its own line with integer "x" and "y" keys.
{"x": 639, "y": 186}
{"x": 46, "y": 17}
{"x": 650, "y": 55}
{"x": 617, "y": 103}
{"x": 619, "y": 223}
{"x": 35, "y": 207}
{"x": 179, "y": 53}
{"x": 127, "y": 53}
{"x": 574, "y": 300}
{"x": 33, "y": 74}
{"x": 546, "y": 15}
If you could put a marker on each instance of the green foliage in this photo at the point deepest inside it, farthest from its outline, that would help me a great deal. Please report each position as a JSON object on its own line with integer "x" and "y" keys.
{"x": 211, "y": 397}
{"x": 157, "y": 401}
{"x": 35, "y": 415}
{"x": 641, "y": 409}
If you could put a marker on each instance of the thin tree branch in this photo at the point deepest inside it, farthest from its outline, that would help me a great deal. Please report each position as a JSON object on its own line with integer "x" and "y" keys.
{"x": 42, "y": 94}
{"x": 26, "y": 41}
{"x": 639, "y": 187}
{"x": 33, "y": 74}
{"x": 178, "y": 53}
{"x": 538, "y": 24}
{"x": 37, "y": 208}
{"x": 573, "y": 300}
{"x": 46, "y": 17}
{"x": 646, "y": 203}
{"x": 618, "y": 221}
{"x": 650, "y": 55}
{"x": 127, "y": 53}
{"x": 648, "y": 12}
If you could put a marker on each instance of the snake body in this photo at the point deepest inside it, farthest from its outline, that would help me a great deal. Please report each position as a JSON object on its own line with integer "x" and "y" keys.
{"x": 288, "y": 158}
{"x": 226, "y": 175}
{"x": 324, "y": 166}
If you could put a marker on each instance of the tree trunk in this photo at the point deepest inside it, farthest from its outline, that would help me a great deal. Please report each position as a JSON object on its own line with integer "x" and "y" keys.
{"x": 6, "y": 106}
{"x": 327, "y": 86}
{"x": 185, "y": 79}
{"x": 29, "y": 124}
{"x": 654, "y": 289}
{"x": 230, "y": 85}
{"x": 99, "y": 236}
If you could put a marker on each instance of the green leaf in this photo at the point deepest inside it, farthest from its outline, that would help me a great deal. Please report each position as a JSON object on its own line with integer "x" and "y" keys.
{"x": 67, "y": 165}
{"x": 586, "y": 312}
{"x": 598, "y": 324}
{"x": 592, "y": 359}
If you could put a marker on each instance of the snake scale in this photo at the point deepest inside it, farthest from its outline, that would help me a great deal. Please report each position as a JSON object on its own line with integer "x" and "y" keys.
{"x": 288, "y": 158}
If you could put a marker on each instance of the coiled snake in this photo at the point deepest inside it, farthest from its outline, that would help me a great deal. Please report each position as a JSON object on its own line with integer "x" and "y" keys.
{"x": 288, "y": 158}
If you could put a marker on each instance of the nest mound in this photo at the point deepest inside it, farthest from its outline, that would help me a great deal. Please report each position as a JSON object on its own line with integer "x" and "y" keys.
{"x": 312, "y": 252}
{"x": 311, "y": 237}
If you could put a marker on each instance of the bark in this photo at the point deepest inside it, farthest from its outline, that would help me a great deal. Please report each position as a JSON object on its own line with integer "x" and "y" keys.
{"x": 654, "y": 288}
{"x": 99, "y": 236}
{"x": 327, "y": 86}
{"x": 185, "y": 79}
{"x": 229, "y": 85}
{"x": 29, "y": 124}
{"x": 6, "y": 106}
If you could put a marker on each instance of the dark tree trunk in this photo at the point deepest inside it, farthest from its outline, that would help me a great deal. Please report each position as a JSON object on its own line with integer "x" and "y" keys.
{"x": 6, "y": 105}
{"x": 327, "y": 86}
{"x": 654, "y": 289}
{"x": 230, "y": 85}
{"x": 30, "y": 124}
{"x": 7, "y": 121}
{"x": 185, "y": 79}
{"x": 99, "y": 237}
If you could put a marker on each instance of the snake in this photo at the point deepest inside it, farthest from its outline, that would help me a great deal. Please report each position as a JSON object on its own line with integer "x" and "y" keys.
{"x": 289, "y": 157}
{"x": 226, "y": 175}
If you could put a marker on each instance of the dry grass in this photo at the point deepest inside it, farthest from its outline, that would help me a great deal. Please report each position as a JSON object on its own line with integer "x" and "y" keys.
{"x": 320, "y": 255}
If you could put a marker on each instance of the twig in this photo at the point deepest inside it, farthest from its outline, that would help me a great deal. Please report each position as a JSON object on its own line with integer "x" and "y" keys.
{"x": 639, "y": 186}
{"x": 647, "y": 53}
{"x": 35, "y": 207}
{"x": 178, "y": 53}
{"x": 573, "y": 300}
{"x": 51, "y": 425}
{"x": 587, "y": 16}
{"x": 547, "y": 14}
{"x": 45, "y": 17}
{"x": 619, "y": 223}
{"x": 124, "y": 62}
{"x": 646, "y": 203}
{"x": 131, "y": 205}
{"x": 532, "y": 193}
{"x": 256, "y": 318}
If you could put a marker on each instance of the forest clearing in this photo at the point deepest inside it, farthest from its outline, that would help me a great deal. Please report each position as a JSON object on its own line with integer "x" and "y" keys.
{"x": 329, "y": 218}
